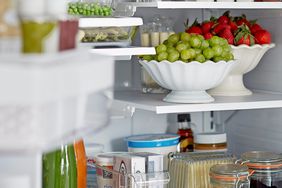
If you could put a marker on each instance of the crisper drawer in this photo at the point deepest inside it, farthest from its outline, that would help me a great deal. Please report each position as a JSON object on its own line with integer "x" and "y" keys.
{"x": 47, "y": 100}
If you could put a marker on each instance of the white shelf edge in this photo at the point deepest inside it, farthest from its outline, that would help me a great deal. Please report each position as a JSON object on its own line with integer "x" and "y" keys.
{"x": 124, "y": 51}
{"x": 110, "y": 22}
{"x": 153, "y": 102}
{"x": 140, "y": 4}
{"x": 218, "y": 5}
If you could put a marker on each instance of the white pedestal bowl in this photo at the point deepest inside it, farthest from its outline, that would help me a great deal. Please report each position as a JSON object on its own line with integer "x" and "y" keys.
{"x": 188, "y": 81}
{"x": 247, "y": 58}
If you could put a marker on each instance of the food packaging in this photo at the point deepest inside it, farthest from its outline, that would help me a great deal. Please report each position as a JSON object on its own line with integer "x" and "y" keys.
{"x": 163, "y": 144}
{"x": 191, "y": 170}
{"x": 127, "y": 164}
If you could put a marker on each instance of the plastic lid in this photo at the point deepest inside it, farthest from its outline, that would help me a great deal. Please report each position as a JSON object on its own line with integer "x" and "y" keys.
{"x": 210, "y": 138}
{"x": 93, "y": 149}
{"x": 107, "y": 158}
{"x": 152, "y": 140}
{"x": 261, "y": 157}
{"x": 233, "y": 171}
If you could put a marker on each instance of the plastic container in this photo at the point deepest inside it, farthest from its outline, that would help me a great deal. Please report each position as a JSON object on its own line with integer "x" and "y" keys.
{"x": 35, "y": 119}
{"x": 92, "y": 149}
{"x": 107, "y": 36}
{"x": 266, "y": 168}
{"x": 229, "y": 176}
{"x": 210, "y": 142}
{"x": 154, "y": 143}
{"x": 101, "y": 8}
{"x": 106, "y": 161}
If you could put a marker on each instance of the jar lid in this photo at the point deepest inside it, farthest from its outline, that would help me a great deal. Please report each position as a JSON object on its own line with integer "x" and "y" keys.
{"x": 152, "y": 140}
{"x": 210, "y": 138}
{"x": 107, "y": 158}
{"x": 229, "y": 172}
{"x": 261, "y": 157}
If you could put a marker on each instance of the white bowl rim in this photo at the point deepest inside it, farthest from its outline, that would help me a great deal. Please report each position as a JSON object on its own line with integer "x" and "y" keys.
{"x": 187, "y": 63}
{"x": 272, "y": 45}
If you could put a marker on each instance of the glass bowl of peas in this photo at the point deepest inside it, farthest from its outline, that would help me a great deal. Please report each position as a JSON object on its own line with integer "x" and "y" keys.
{"x": 91, "y": 8}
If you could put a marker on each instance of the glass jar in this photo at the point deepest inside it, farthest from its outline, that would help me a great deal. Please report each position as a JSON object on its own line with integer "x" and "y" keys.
{"x": 210, "y": 142}
{"x": 266, "y": 167}
{"x": 229, "y": 176}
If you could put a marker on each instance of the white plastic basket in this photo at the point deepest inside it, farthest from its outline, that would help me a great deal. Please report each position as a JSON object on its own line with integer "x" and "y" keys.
{"x": 47, "y": 100}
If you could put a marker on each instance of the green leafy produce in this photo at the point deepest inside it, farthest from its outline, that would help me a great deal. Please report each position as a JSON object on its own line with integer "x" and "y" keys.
{"x": 108, "y": 34}
{"x": 192, "y": 47}
{"x": 89, "y": 9}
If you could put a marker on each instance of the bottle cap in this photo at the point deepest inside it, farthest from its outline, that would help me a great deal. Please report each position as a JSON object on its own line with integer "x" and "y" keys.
{"x": 184, "y": 118}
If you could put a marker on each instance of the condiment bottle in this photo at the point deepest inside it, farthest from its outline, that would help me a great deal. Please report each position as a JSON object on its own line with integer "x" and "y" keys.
{"x": 229, "y": 176}
{"x": 266, "y": 168}
{"x": 155, "y": 34}
{"x": 210, "y": 142}
{"x": 185, "y": 132}
{"x": 145, "y": 36}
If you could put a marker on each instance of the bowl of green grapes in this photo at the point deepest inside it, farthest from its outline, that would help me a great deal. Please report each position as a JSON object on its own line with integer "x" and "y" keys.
{"x": 188, "y": 65}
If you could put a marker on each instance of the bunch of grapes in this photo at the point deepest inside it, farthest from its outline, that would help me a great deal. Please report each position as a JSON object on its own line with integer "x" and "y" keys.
{"x": 89, "y": 9}
{"x": 192, "y": 47}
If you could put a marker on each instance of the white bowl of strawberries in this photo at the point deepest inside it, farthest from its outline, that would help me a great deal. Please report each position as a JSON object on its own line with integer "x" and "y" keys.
{"x": 249, "y": 42}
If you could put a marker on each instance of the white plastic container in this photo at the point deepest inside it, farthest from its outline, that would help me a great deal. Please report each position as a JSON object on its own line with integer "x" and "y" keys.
{"x": 163, "y": 144}
{"x": 106, "y": 160}
{"x": 47, "y": 100}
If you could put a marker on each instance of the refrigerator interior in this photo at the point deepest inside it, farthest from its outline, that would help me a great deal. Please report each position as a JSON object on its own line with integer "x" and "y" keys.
{"x": 246, "y": 129}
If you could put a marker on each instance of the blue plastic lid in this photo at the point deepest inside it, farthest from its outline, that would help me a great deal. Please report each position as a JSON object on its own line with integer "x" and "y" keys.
{"x": 152, "y": 140}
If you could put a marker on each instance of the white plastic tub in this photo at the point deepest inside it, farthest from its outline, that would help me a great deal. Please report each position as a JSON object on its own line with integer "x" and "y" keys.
{"x": 163, "y": 144}
{"x": 47, "y": 100}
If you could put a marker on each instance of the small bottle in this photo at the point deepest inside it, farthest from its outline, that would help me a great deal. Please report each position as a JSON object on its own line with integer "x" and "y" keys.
{"x": 185, "y": 132}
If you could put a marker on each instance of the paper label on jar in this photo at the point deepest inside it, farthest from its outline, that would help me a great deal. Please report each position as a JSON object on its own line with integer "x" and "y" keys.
{"x": 104, "y": 173}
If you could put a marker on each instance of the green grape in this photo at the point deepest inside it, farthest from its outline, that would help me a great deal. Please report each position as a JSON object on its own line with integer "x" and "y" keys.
{"x": 218, "y": 58}
{"x": 215, "y": 40}
{"x": 226, "y": 48}
{"x": 201, "y": 37}
{"x": 173, "y": 56}
{"x": 186, "y": 54}
{"x": 208, "y": 53}
{"x": 174, "y": 38}
{"x": 180, "y": 47}
{"x": 205, "y": 44}
{"x": 200, "y": 58}
{"x": 171, "y": 49}
{"x": 229, "y": 57}
{"x": 217, "y": 50}
{"x": 162, "y": 56}
{"x": 192, "y": 52}
{"x": 148, "y": 57}
{"x": 165, "y": 42}
{"x": 161, "y": 48}
{"x": 195, "y": 42}
{"x": 185, "y": 37}
{"x": 198, "y": 51}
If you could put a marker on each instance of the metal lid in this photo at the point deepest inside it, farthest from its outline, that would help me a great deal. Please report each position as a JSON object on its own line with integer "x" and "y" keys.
{"x": 261, "y": 157}
{"x": 210, "y": 138}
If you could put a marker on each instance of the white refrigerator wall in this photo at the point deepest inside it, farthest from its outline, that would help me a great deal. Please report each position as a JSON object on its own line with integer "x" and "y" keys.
{"x": 261, "y": 129}
{"x": 247, "y": 130}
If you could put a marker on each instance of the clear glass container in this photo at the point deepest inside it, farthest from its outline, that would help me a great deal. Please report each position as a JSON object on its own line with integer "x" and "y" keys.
{"x": 229, "y": 176}
{"x": 266, "y": 169}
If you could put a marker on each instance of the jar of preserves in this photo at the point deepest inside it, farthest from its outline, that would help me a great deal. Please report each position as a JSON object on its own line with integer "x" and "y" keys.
{"x": 266, "y": 167}
{"x": 210, "y": 142}
{"x": 229, "y": 176}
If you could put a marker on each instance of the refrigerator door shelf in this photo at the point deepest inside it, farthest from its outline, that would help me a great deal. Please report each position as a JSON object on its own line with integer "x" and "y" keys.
{"x": 47, "y": 100}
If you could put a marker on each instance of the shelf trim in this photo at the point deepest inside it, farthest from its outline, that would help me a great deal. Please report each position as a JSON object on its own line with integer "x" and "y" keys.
{"x": 218, "y": 5}
{"x": 153, "y": 102}
{"x": 110, "y": 22}
{"x": 127, "y": 51}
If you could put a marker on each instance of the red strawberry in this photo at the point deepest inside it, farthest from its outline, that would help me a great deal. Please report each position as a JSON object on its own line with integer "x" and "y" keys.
{"x": 233, "y": 25}
{"x": 206, "y": 26}
{"x": 242, "y": 20}
{"x": 244, "y": 36}
{"x": 227, "y": 34}
{"x": 224, "y": 19}
{"x": 194, "y": 28}
{"x": 262, "y": 37}
{"x": 219, "y": 27}
{"x": 255, "y": 27}
{"x": 208, "y": 36}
